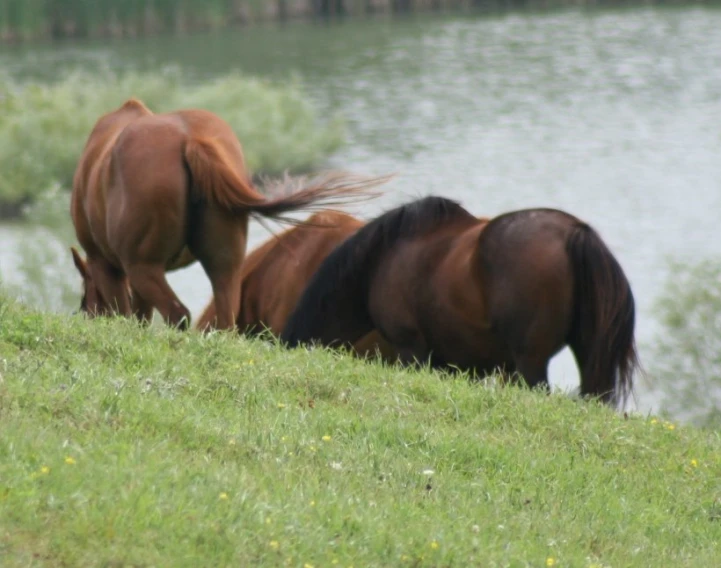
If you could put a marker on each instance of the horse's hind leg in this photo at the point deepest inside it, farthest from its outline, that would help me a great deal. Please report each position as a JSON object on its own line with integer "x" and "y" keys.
{"x": 226, "y": 290}
{"x": 534, "y": 372}
{"x": 218, "y": 241}
{"x": 142, "y": 309}
{"x": 149, "y": 283}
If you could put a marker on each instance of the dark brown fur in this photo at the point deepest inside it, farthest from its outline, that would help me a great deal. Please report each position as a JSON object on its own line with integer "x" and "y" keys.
{"x": 440, "y": 285}
{"x": 275, "y": 274}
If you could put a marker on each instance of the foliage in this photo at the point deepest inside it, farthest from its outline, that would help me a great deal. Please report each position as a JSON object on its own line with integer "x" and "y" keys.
{"x": 128, "y": 446}
{"x": 45, "y": 277}
{"x": 687, "y": 361}
{"x": 26, "y": 19}
{"x": 43, "y": 127}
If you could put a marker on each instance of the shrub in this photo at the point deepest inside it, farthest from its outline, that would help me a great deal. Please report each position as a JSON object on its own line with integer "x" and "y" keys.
{"x": 687, "y": 361}
{"x": 43, "y": 127}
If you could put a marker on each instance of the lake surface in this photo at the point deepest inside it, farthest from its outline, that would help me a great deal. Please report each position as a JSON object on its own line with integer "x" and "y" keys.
{"x": 612, "y": 116}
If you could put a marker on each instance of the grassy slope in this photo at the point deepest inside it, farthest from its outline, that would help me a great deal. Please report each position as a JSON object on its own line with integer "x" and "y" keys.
{"x": 128, "y": 446}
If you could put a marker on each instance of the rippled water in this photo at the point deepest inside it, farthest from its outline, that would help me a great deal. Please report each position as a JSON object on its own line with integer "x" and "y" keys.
{"x": 615, "y": 117}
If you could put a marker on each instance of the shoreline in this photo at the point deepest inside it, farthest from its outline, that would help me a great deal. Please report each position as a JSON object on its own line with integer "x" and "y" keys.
{"x": 76, "y": 24}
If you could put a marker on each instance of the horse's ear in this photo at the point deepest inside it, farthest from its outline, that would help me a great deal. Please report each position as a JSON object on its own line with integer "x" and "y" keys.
{"x": 79, "y": 263}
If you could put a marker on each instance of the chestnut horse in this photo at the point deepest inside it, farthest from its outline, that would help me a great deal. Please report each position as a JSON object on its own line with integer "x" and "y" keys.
{"x": 154, "y": 192}
{"x": 275, "y": 274}
{"x": 508, "y": 295}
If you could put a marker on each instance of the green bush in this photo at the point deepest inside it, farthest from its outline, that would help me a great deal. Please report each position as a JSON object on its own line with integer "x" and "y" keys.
{"x": 43, "y": 127}
{"x": 686, "y": 366}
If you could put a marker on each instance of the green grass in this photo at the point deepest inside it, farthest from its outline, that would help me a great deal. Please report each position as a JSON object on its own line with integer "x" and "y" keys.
{"x": 127, "y": 446}
{"x": 43, "y": 127}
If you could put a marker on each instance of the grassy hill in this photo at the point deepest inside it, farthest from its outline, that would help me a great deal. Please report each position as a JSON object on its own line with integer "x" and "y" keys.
{"x": 125, "y": 446}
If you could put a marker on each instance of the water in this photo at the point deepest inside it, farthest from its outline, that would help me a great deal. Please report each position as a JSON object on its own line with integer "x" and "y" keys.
{"x": 613, "y": 116}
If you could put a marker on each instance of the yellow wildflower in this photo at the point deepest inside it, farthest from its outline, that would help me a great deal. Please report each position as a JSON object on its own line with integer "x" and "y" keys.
{"x": 671, "y": 426}
{"x": 550, "y": 561}
{"x": 312, "y": 503}
{"x": 69, "y": 460}
{"x": 326, "y": 438}
{"x": 694, "y": 463}
{"x": 281, "y": 405}
{"x": 274, "y": 544}
{"x": 434, "y": 545}
{"x": 223, "y": 496}
{"x": 654, "y": 421}
{"x": 45, "y": 469}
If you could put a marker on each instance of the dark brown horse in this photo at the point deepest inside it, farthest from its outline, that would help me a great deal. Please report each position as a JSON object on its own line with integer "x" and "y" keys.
{"x": 155, "y": 192}
{"x": 275, "y": 274}
{"x": 442, "y": 286}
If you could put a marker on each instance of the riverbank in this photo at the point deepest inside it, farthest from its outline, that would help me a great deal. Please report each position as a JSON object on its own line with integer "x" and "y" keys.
{"x": 44, "y": 126}
{"x": 39, "y": 20}
{"x": 124, "y": 445}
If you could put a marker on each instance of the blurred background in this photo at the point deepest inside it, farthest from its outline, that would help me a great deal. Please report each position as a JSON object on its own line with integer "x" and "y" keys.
{"x": 609, "y": 111}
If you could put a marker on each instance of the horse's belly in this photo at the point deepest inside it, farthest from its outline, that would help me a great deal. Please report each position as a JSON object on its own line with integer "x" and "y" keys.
{"x": 469, "y": 349}
{"x": 181, "y": 260}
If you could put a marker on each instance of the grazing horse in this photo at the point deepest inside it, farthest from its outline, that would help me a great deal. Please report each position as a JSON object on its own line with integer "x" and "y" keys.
{"x": 508, "y": 295}
{"x": 155, "y": 192}
{"x": 275, "y": 274}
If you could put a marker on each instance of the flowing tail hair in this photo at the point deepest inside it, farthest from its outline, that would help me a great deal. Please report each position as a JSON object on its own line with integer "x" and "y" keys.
{"x": 215, "y": 179}
{"x": 602, "y": 331}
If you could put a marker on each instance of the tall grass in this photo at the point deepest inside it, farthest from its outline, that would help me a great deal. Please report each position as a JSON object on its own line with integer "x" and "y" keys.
{"x": 27, "y": 19}
{"x": 43, "y": 127}
{"x": 33, "y": 19}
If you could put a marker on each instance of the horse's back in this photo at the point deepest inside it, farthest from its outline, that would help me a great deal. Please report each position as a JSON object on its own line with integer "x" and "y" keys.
{"x": 525, "y": 238}
{"x": 279, "y": 270}
{"x": 147, "y": 163}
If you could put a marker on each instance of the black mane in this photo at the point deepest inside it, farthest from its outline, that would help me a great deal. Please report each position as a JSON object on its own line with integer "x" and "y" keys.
{"x": 343, "y": 276}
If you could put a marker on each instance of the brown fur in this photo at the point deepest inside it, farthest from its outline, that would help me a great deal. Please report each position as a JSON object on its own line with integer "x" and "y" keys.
{"x": 509, "y": 294}
{"x": 155, "y": 192}
{"x": 275, "y": 274}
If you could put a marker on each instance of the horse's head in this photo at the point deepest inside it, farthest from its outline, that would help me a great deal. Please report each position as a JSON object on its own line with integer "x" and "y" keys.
{"x": 93, "y": 302}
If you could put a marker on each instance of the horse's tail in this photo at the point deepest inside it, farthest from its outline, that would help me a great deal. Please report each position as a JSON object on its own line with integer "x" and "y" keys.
{"x": 602, "y": 331}
{"x": 216, "y": 179}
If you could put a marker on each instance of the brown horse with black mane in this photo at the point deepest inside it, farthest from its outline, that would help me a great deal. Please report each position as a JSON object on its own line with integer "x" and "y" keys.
{"x": 275, "y": 274}
{"x": 442, "y": 286}
{"x": 154, "y": 192}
